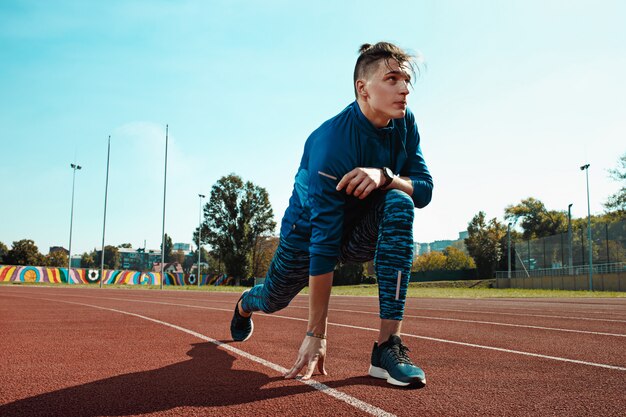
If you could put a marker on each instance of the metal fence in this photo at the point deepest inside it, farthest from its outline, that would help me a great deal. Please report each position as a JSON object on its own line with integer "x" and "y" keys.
{"x": 557, "y": 255}
{"x": 573, "y": 270}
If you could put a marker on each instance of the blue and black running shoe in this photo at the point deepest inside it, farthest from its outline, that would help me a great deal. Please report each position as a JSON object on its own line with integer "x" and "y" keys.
{"x": 241, "y": 328}
{"x": 391, "y": 361}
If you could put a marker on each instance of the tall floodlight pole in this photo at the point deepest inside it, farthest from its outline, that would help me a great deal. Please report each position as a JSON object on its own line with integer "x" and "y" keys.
{"x": 508, "y": 237}
{"x": 586, "y": 169}
{"x": 69, "y": 261}
{"x": 570, "y": 254}
{"x": 104, "y": 222}
{"x": 199, "y": 235}
{"x": 163, "y": 228}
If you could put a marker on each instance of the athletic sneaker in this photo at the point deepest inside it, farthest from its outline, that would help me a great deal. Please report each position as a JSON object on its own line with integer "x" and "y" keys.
{"x": 391, "y": 361}
{"x": 241, "y": 327}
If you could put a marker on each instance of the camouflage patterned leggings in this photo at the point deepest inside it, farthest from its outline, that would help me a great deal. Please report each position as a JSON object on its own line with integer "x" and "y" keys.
{"x": 384, "y": 234}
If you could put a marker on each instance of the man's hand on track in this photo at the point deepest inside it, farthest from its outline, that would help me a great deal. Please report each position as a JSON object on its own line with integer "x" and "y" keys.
{"x": 312, "y": 352}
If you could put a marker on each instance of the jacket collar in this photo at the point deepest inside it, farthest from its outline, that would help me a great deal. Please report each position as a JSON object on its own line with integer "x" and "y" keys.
{"x": 364, "y": 123}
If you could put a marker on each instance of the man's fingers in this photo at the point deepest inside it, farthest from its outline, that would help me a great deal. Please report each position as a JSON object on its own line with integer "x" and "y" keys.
{"x": 310, "y": 368}
{"x": 366, "y": 184}
{"x": 320, "y": 365}
{"x": 346, "y": 178}
{"x": 295, "y": 369}
{"x": 293, "y": 372}
{"x": 367, "y": 191}
{"x": 352, "y": 183}
{"x": 356, "y": 181}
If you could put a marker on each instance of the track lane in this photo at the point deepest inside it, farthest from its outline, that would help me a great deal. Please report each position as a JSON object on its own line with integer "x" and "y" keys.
{"x": 189, "y": 375}
{"x": 585, "y": 347}
{"x": 572, "y": 322}
{"x": 461, "y": 380}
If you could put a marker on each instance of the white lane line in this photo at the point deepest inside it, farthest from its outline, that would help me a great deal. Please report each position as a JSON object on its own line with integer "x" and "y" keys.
{"x": 305, "y": 305}
{"x": 495, "y": 313}
{"x": 536, "y": 355}
{"x": 528, "y": 326}
{"x": 354, "y": 402}
{"x": 522, "y": 315}
{"x": 517, "y": 352}
{"x": 429, "y": 317}
{"x": 410, "y": 301}
{"x": 296, "y": 300}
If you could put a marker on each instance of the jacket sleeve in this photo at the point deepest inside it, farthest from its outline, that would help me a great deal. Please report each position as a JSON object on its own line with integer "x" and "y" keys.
{"x": 415, "y": 166}
{"x": 329, "y": 161}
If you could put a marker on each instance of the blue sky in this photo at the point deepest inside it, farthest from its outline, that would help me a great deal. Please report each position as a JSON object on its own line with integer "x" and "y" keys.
{"x": 515, "y": 97}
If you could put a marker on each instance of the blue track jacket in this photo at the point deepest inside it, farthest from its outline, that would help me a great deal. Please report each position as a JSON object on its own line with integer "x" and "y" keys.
{"x": 318, "y": 214}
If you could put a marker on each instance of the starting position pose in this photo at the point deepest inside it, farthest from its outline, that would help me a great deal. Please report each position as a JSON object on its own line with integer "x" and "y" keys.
{"x": 360, "y": 178}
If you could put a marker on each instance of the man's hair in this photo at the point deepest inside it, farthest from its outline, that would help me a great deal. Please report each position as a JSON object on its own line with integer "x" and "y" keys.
{"x": 370, "y": 55}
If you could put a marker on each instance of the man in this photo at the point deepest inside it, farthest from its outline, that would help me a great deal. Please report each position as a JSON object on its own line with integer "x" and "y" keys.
{"x": 361, "y": 176}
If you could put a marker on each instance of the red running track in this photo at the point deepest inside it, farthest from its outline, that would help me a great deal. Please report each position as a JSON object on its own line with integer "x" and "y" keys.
{"x": 107, "y": 352}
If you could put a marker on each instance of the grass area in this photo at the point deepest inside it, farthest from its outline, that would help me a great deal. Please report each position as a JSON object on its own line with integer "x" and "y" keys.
{"x": 438, "y": 289}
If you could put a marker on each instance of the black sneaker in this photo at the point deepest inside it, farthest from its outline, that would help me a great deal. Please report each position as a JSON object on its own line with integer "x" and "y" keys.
{"x": 241, "y": 328}
{"x": 391, "y": 361}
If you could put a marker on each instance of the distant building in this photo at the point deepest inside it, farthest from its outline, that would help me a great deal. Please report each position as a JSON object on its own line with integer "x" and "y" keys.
{"x": 185, "y": 247}
{"x": 424, "y": 248}
{"x": 441, "y": 245}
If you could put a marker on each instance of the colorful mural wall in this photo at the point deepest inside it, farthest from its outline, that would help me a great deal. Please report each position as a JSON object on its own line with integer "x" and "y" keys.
{"x": 41, "y": 274}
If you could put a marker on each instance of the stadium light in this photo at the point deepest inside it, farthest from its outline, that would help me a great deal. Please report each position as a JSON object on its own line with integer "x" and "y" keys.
{"x": 69, "y": 255}
{"x": 586, "y": 169}
{"x": 104, "y": 222}
{"x": 199, "y": 234}
{"x": 508, "y": 238}
{"x": 570, "y": 255}
{"x": 163, "y": 228}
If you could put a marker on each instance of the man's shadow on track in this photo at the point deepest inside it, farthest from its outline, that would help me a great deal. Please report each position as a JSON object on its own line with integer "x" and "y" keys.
{"x": 206, "y": 380}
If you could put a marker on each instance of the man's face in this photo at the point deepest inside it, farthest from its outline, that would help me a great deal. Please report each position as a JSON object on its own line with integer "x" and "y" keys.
{"x": 387, "y": 88}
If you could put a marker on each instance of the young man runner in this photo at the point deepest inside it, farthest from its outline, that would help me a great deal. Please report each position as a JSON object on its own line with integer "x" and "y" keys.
{"x": 361, "y": 176}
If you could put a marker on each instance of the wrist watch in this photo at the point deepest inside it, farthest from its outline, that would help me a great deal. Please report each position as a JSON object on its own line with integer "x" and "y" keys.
{"x": 388, "y": 173}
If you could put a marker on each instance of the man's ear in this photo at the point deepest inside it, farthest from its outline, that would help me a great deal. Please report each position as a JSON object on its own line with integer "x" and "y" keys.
{"x": 361, "y": 89}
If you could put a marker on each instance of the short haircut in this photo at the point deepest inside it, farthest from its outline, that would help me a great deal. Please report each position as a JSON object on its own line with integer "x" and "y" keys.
{"x": 370, "y": 55}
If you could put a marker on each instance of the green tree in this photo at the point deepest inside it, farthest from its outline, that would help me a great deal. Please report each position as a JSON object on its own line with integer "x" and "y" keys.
{"x": 484, "y": 243}
{"x": 3, "y": 251}
{"x": 56, "y": 259}
{"x": 617, "y": 201}
{"x": 125, "y": 246}
{"x": 210, "y": 258}
{"x": 178, "y": 256}
{"x": 235, "y": 216}
{"x": 88, "y": 260}
{"x": 188, "y": 262}
{"x": 111, "y": 257}
{"x": 24, "y": 252}
{"x": 456, "y": 259}
{"x": 536, "y": 220}
{"x": 262, "y": 255}
{"x": 431, "y": 261}
{"x": 191, "y": 260}
{"x": 169, "y": 257}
